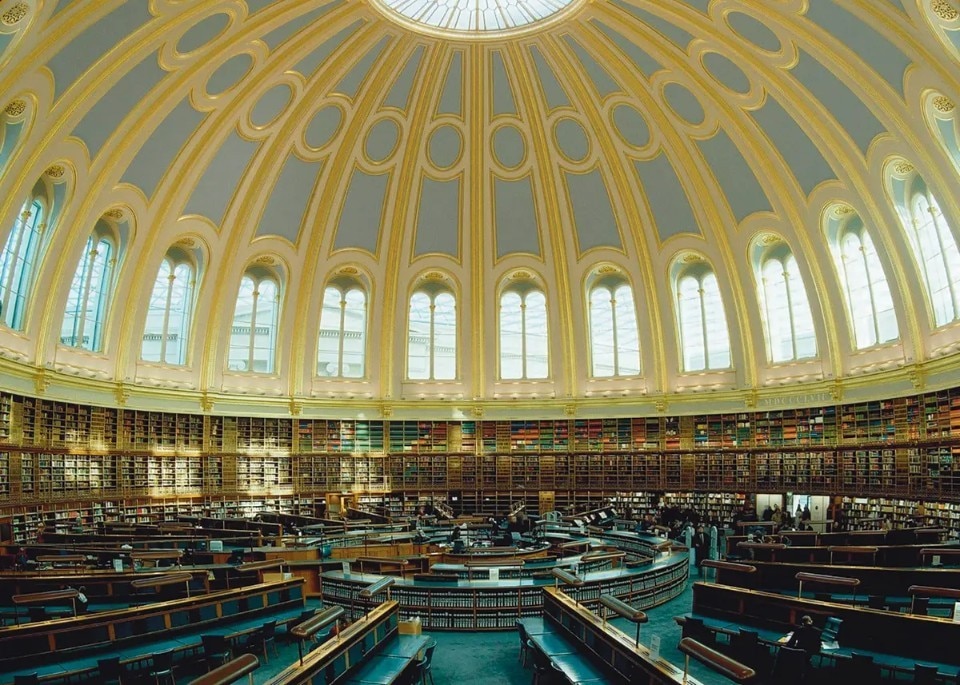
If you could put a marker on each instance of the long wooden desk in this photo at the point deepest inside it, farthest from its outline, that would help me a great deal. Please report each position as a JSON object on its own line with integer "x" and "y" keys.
{"x": 874, "y": 580}
{"x": 335, "y": 661}
{"x": 91, "y": 631}
{"x": 919, "y": 637}
{"x": 623, "y": 660}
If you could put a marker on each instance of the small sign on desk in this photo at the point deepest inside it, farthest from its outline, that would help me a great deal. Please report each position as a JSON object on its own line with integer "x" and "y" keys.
{"x": 655, "y": 648}
{"x": 495, "y": 574}
{"x": 345, "y": 567}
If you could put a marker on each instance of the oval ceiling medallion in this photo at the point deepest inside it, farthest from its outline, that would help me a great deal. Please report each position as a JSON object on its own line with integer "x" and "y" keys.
{"x": 684, "y": 103}
{"x": 382, "y": 140}
{"x": 271, "y": 105}
{"x": 203, "y": 32}
{"x": 571, "y": 139}
{"x": 508, "y": 146}
{"x": 726, "y": 72}
{"x": 229, "y": 74}
{"x": 445, "y": 146}
{"x": 753, "y": 31}
{"x": 323, "y": 127}
{"x": 631, "y": 126}
{"x": 475, "y": 18}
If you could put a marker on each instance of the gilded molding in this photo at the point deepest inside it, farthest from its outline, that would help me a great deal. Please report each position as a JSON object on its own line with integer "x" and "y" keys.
{"x": 55, "y": 171}
{"x": 944, "y": 9}
{"x": 15, "y": 108}
{"x": 15, "y": 14}
{"x": 943, "y": 104}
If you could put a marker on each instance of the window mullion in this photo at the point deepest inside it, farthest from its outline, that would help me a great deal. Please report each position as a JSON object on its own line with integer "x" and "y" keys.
{"x": 251, "y": 342}
{"x": 703, "y": 326}
{"x": 342, "y": 333}
{"x": 165, "y": 328}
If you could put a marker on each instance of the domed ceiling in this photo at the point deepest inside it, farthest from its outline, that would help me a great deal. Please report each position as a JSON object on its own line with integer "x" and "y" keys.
{"x": 409, "y": 145}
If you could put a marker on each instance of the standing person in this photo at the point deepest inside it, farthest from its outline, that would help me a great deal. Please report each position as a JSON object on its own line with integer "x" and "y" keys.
{"x": 701, "y": 545}
{"x": 82, "y": 600}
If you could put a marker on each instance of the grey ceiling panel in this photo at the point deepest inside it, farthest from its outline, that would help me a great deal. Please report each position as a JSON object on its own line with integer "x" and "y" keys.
{"x": 100, "y": 122}
{"x": 218, "y": 185}
{"x": 438, "y": 219}
{"x": 362, "y": 217}
{"x": 596, "y": 224}
{"x": 802, "y": 156}
{"x": 873, "y": 47}
{"x": 290, "y": 198}
{"x": 744, "y": 193}
{"x": 667, "y": 198}
{"x": 76, "y": 57}
{"x": 161, "y": 148}
{"x": 517, "y": 228}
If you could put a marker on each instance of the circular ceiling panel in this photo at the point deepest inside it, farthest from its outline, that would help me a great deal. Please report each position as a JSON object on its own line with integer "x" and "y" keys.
{"x": 478, "y": 18}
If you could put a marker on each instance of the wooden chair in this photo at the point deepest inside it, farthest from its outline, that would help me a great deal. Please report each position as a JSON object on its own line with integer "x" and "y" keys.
{"x": 791, "y": 666}
{"x": 270, "y": 637}
{"x": 524, "y": 639}
{"x": 924, "y": 674}
{"x": 110, "y": 671}
{"x": 426, "y": 663}
{"x": 216, "y": 650}
{"x": 161, "y": 668}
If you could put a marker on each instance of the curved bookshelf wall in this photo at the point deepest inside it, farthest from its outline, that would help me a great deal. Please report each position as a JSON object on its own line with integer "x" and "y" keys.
{"x": 64, "y": 458}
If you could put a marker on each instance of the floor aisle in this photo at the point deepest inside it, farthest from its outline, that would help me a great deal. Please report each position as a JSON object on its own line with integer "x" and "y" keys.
{"x": 492, "y": 658}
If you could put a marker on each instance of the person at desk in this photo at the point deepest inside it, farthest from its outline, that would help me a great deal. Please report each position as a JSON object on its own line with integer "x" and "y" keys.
{"x": 21, "y": 560}
{"x": 805, "y": 637}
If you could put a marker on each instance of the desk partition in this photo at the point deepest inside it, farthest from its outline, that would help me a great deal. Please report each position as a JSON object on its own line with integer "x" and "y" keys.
{"x": 916, "y": 637}
{"x": 89, "y": 631}
{"x": 626, "y": 662}
{"x": 331, "y": 662}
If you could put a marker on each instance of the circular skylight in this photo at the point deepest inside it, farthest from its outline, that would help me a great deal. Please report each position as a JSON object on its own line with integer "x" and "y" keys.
{"x": 473, "y": 17}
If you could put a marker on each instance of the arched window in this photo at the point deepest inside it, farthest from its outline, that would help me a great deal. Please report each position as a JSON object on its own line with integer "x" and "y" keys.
{"x": 931, "y": 241}
{"x": 18, "y": 262}
{"x": 786, "y": 309}
{"x": 432, "y": 334}
{"x": 253, "y": 337}
{"x": 614, "y": 340}
{"x": 87, "y": 302}
{"x": 865, "y": 288}
{"x": 341, "y": 347}
{"x": 704, "y": 337}
{"x": 166, "y": 333}
{"x": 523, "y": 333}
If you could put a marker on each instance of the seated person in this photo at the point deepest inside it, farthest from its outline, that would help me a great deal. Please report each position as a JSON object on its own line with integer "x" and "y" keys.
{"x": 805, "y": 637}
{"x": 21, "y": 560}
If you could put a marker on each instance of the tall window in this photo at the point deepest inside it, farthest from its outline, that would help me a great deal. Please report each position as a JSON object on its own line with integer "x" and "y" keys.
{"x": 341, "y": 348}
{"x": 167, "y": 329}
{"x": 787, "y": 316}
{"x": 933, "y": 245}
{"x": 614, "y": 341}
{"x": 253, "y": 337}
{"x": 865, "y": 287}
{"x": 17, "y": 263}
{"x": 86, "y": 312}
{"x": 704, "y": 338}
{"x": 523, "y": 335}
{"x": 432, "y": 336}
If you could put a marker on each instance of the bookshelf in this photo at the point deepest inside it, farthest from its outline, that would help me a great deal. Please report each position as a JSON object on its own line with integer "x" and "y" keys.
{"x": 52, "y": 451}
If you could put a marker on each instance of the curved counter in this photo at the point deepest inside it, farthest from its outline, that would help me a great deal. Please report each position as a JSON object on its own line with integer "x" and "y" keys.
{"x": 457, "y": 604}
